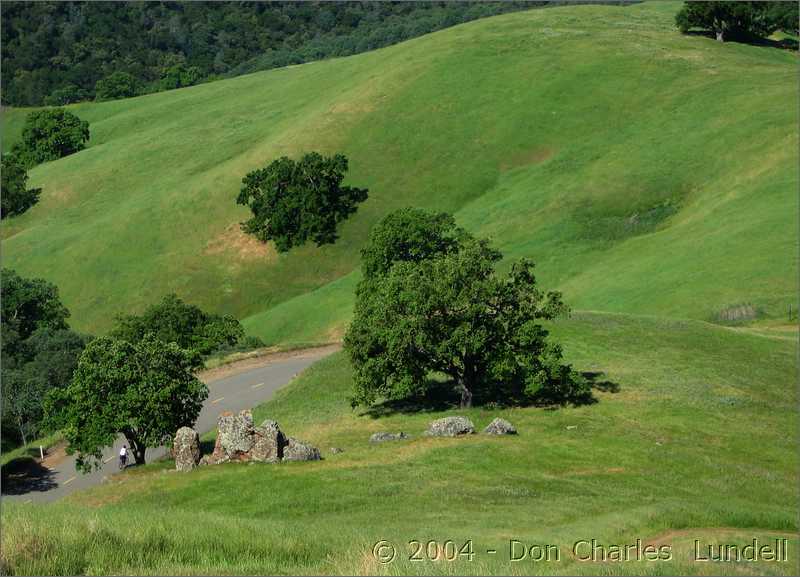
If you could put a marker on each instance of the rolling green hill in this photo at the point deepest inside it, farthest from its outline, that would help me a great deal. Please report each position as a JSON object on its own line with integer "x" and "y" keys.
{"x": 653, "y": 178}
{"x": 644, "y": 171}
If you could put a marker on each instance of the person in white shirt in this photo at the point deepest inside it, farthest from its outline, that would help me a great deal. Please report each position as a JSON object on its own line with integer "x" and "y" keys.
{"x": 123, "y": 457}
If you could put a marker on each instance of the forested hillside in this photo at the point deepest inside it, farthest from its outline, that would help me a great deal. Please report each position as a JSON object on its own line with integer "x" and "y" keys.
{"x": 55, "y": 52}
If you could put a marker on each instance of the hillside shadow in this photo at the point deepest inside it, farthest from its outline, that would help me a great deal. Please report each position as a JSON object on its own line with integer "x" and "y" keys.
{"x": 25, "y": 475}
{"x": 442, "y": 396}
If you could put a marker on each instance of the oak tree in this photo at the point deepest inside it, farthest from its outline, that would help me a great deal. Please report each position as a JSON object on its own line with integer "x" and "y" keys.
{"x": 439, "y": 306}
{"x": 145, "y": 391}
{"x": 296, "y": 201}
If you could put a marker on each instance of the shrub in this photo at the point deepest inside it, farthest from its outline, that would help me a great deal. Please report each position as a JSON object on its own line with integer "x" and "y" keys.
{"x": 174, "y": 321}
{"x": 116, "y": 85}
{"x": 51, "y": 134}
{"x": 16, "y": 197}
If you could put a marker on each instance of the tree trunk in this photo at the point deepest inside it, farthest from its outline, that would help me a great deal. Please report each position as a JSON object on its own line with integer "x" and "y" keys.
{"x": 137, "y": 449}
{"x": 720, "y": 36}
{"x": 466, "y": 396}
{"x": 138, "y": 454}
{"x": 21, "y": 426}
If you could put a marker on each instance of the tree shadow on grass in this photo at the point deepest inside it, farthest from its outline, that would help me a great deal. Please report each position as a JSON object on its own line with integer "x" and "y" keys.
{"x": 783, "y": 43}
{"x": 596, "y": 381}
{"x": 439, "y": 396}
{"x": 26, "y": 475}
{"x": 442, "y": 396}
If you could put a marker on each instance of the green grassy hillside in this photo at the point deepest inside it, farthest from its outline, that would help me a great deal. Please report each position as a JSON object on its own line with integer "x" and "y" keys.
{"x": 698, "y": 442}
{"x": 653, "y": 178}
{"x": 643, "y": 170}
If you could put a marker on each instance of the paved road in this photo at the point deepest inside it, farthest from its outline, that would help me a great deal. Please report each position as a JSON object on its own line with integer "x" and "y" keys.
{"x": 232, "y": 393}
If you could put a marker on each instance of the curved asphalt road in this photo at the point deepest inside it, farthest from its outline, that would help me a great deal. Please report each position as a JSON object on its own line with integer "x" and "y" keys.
{"x": 232, "y": 393}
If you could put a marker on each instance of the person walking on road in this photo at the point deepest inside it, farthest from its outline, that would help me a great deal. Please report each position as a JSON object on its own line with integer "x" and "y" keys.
{"x": 123, "y": 457}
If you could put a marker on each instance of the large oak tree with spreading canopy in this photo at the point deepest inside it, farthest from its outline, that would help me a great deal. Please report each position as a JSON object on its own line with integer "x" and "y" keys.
{"x": 144, "y": 390}
{"x": 432, "y": 302}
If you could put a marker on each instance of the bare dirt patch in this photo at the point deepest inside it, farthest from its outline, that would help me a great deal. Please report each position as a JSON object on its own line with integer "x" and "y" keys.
{"x": 534, "y": 156}
{"x": 62, "y": 195}
{"x": 242, "y": 246}
{"x": 55, "y": 455}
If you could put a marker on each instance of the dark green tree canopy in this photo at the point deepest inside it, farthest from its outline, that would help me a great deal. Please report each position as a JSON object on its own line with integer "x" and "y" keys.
{"x": 736, "y": 20}
{"x": 30, "y": 304}
{"x": 16, "y": 197}
{"x": 785, "y": 16}
{"x": 39, "y": 351}
{"x": 44, "y": 362}
{"x": 451, "y": 313}
{"x": 51, "y": 134}
{"x": 116, "y": 85}
{"x": 174, "y": 321}
{"x": 179, "y": 75}
{"x": 67, "y": 94}
{"x": 144, "y": 390}
{"x": 296, "y": 201}
{"x": 59, "y": 50}
{"x": 409, "y": 234}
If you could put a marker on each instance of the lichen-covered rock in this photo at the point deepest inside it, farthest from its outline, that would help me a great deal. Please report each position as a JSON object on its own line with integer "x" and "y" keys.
{"x": 268, "y": 442}
{"x": 500, "y": 427}
{"x": 381, "y": 437}
{"x": 450, "y": 427}
{"x": 235, "y": 433}
{"x": 186, "y": 449}
{"x": 296, "y": 450}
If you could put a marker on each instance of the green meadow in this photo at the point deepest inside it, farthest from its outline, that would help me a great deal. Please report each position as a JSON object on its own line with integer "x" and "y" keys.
{"x": 651, "y": 176}
{"x": 693, "y": 437}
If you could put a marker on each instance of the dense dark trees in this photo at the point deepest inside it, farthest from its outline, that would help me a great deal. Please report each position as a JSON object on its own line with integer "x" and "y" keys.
{"x": 738, "y": 20}
{"x": 50, "y": 134}
{"x": 116, "y": 85}
{"x": 56, "y": 52}
{"x": 431, "y": 302}
{"x": 15, "y": 197}
{"x": 296, "y": 201}
{"x": 174, "y": 321}
{"x": 139, "y": 380}
{"x": 39, "y": 351}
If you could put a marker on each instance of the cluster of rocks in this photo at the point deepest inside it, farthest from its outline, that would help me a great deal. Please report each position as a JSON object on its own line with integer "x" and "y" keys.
{"x": 451, "y": 427}
{"x": 456, "y": 426}
{"x": 239, "y": 440}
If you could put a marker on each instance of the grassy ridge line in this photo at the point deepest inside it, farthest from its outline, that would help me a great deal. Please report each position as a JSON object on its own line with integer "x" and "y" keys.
{"x": 698, "y": 441}
{"x": 490, "y": 120}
